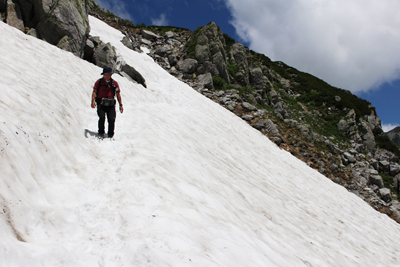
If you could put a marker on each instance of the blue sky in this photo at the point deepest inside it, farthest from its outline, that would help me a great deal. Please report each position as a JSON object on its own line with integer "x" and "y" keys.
{"x": 351, "y": 44}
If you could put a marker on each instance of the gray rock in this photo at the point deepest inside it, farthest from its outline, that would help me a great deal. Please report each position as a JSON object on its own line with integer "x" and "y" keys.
{"x": 385, "y": 194}
{"x": 172, "y": 59}
{"x": 127, "y": 42}
{"x": 349, "y": 127}
{"x": 394, "y": 169}
{"x": 14, "y": 16}
{"x": 33, "y": 32}
{"x": 349, "y": 157}
{"x": 257, "y": 78}
{"x": 367, "y": 135}
{"x": 267, "y": 126}
{"x": 249, "y": 106}
{"x": 64, "y": 22}
{"x": 163, "y": 51}
{"x": 206, "y": 80}
{"x": 306, "y": 131}
{"x": 151, "y": 36}
{"x": 220, "y": 62}
{"x": 239, "y": 55}
{"x": 384, "y": 166}
{"x": 376, "y": 180}
{"x": 277, "y": 140}
{"x": 105, "y": 56}
{"x": 134, "y": 74}
{"x": 169, "y": 35}
{"x": 210, "y": 48}
{"x": 187, "y": 66}
{"x": 145, "y": 42}
{"x": 248, "y": 117}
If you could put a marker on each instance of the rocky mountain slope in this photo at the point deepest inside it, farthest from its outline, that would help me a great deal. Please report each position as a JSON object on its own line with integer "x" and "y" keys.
{"x": 330, "y": 129}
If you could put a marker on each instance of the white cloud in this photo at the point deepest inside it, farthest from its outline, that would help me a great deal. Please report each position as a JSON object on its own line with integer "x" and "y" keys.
{"x": 161, "y": 21}
{"x": 387, "y": 127}
{"x": 118, "y": 7}
{"x": 351, "y": 44}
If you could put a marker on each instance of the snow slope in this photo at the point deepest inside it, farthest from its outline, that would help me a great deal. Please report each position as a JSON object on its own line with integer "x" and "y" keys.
{"x": 184, "y": 183}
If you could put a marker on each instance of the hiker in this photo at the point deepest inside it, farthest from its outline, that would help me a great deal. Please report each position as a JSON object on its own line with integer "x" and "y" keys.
{"x": 104, "y": 91}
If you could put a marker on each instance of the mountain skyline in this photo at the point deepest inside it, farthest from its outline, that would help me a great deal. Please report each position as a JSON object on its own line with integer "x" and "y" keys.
{"x": 352, "y": 45}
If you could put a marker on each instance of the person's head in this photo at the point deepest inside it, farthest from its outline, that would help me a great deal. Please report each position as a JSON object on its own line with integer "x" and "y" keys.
{"x": 107, "y": 73}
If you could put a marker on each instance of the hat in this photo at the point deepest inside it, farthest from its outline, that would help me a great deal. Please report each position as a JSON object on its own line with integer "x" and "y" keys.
{"x": 107, "y": 70}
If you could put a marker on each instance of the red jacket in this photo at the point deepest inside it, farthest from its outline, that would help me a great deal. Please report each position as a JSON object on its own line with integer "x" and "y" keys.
{"x": 105, "y": 90}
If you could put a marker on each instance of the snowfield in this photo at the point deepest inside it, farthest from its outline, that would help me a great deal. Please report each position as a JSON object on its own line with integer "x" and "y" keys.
{"x": 184, "y": 183}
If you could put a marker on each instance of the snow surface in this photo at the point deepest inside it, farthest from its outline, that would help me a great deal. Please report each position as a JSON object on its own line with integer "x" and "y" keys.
{"x": 184, "y": 183}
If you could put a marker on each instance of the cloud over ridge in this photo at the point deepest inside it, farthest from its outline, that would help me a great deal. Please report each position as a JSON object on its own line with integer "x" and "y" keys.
{"x": 350, "y": 44}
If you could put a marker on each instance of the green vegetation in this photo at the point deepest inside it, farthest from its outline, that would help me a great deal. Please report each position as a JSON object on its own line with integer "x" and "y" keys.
{"x": 219, "y": 83}
{"x": 232, "y": 69}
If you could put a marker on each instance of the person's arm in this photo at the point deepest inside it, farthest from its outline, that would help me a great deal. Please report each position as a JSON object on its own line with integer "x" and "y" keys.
{"x": 121, "y": 108}
{"x": 93, "y": 99}
{"x": 96, "y": 85}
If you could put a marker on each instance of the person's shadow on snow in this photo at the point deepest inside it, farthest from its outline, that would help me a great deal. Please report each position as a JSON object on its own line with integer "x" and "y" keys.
{"x": 89, "y": 133}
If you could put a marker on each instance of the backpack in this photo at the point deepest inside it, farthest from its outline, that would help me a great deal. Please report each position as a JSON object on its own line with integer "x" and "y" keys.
{"x": 104, "y": 101}
{"x": 113, "y": 87}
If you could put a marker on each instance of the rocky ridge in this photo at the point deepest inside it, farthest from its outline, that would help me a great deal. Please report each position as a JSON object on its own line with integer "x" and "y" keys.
{"x": 330, "y": 129}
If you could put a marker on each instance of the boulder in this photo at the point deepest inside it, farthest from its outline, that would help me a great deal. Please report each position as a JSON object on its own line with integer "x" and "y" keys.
{"x": 349, "y": 157}
{"x": 384, "y": 166}
{"x": 187, "y": 66}
{"x": 169, "y": 35}
{"x": 105, "y": 56}
{"x": 206, "y": 80}
{"x": 127, "y": 42}
{"x": 257, "y": 78}
{"x": 249, "y": 106}
{"x": 163, "y": 51}
{"x": 151, "y": 36}
{"x": 65, "y": 22}
{"x": 394, "y": 169}
{"x": 376, "y": 180}
{"x": 267, "y": 126}
{"x": 14, "y": 16}
{"x": 134, "y": 74}
{"x": 385, "y": 194}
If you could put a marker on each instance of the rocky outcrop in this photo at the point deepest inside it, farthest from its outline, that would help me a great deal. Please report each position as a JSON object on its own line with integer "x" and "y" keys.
{"x": 238, "y": 55}
{"x": 361, "y": 132}
{"x": 62, "y": 23}
{"x": 210, "y": 51}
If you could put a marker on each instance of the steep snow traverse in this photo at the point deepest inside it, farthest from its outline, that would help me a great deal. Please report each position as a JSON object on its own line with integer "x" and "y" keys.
{"x": 184, "y": 183}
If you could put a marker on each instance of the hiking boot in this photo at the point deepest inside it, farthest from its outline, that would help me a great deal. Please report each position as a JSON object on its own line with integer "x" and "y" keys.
{"x": 101, "y": 135}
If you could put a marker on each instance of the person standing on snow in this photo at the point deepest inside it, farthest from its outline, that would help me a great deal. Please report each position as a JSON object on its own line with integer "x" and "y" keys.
{"x": 104, "y": 91}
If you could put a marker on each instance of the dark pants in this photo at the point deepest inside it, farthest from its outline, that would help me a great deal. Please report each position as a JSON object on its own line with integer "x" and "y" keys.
{"x": 102, "y": 111}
